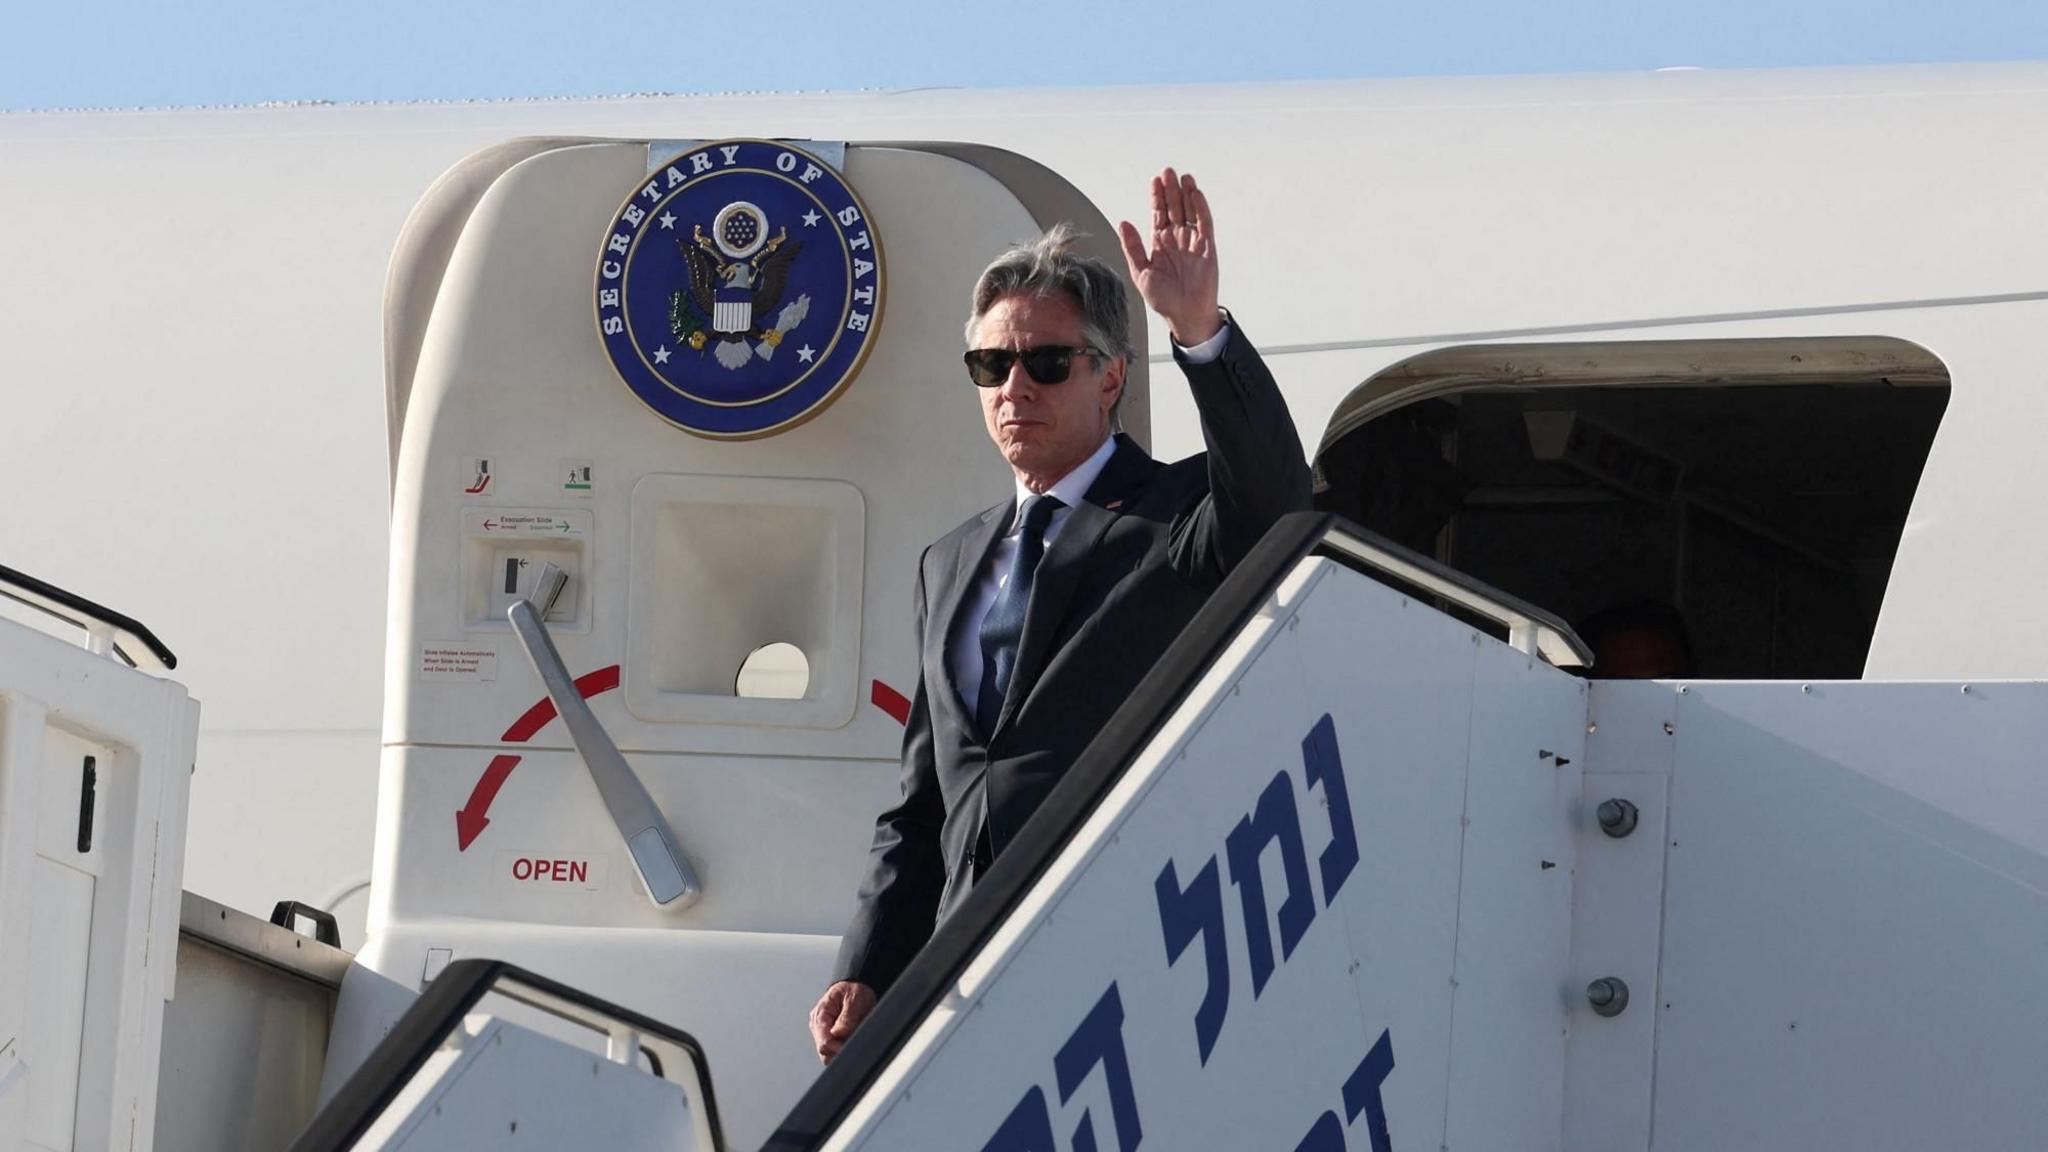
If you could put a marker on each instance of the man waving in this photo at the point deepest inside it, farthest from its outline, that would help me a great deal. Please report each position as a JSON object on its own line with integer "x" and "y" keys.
{"x": 1038, "y": 617}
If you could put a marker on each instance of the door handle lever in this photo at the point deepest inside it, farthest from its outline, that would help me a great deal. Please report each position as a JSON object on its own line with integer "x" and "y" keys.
{"x": 666, "y": 873}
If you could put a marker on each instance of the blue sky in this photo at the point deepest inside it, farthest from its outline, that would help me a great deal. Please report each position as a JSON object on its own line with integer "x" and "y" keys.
{"x": 95, "y": 53}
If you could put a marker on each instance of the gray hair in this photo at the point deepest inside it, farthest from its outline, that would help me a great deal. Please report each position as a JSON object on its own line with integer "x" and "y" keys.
{"x": 1049, "y": 266}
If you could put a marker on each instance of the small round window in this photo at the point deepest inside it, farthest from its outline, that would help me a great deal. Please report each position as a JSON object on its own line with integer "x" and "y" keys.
{"x": 776, "y": 671}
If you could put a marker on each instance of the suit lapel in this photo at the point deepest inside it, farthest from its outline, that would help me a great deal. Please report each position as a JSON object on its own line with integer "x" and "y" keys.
{"x": 974, "y": 551}
{"x": 1066, "y": 560}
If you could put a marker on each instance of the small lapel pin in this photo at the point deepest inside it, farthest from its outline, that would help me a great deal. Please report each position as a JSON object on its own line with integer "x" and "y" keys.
{"x": 1112, "y": 506}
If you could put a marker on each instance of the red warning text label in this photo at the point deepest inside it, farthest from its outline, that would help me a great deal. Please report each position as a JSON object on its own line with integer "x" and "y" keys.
{"x": 530, "y": 870}
{"x": 551, "y": 871}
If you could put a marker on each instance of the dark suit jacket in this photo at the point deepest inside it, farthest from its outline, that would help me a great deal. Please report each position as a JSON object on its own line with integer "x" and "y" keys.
{"x": 1128, "y": 569}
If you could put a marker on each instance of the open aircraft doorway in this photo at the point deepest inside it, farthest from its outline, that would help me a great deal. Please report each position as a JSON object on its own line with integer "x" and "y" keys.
{"x": 1748, "y": 495}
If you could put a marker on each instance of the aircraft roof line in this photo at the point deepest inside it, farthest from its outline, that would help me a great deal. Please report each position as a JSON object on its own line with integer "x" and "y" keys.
{"x": 1591, "y": 327}
{"x": 1701, "y": 82}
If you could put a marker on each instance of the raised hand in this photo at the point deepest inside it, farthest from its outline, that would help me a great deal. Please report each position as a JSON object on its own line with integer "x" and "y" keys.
{"x": 1177, "y": 277}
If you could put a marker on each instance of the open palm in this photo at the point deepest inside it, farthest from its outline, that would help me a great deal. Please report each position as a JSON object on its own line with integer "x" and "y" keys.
{"x": 1177, "y": 275}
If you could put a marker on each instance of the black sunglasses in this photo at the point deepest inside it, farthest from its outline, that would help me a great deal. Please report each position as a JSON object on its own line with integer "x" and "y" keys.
{"x": 1046, "y": 364}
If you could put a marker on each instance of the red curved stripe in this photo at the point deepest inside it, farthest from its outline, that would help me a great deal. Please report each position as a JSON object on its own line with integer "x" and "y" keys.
{"x": 537, "y": 717}
{"x": 891, "y": 701}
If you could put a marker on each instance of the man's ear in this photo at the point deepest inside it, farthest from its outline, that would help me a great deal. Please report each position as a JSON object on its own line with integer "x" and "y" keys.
{"x": 1113, "y": 383}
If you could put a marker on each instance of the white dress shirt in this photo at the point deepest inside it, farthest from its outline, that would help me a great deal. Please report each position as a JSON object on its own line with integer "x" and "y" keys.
{"x": 963, "y": 652}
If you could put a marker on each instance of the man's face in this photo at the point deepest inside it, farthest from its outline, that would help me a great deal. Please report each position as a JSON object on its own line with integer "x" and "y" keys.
{"x": 1045, "y": 430}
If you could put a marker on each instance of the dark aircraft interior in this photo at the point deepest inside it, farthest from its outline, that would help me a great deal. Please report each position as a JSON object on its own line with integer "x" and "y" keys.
{"x": 1759, "y": 510}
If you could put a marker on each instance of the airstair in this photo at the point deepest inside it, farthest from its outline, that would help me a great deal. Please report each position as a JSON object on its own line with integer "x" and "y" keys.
{"x": 1347, "y": 872}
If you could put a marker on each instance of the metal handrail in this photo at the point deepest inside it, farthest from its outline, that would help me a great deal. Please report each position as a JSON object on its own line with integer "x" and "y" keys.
{"x": 104, "y": 628}
{"x": 1530, "y": 629}
{"x": 674, "y": 1055}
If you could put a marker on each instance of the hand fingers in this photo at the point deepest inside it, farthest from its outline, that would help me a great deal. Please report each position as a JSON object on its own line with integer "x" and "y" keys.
{"x": 1176, "y": 202}
{"x": 853, "y": 1008}
{"x": 1134, "y": 247}
{"x": 1207, "y": 223}
{"x": 1158, "y": 205}
{"x": 849, "y": 1019}
{"x": 821, "y": 1024}
{"x": 838, "y": 1012}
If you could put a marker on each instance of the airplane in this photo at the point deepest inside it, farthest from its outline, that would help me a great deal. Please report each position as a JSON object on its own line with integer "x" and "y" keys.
{"x": 1753, "y": 348}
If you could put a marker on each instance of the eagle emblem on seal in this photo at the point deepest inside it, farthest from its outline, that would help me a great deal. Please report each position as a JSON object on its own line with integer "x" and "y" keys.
{"x": 739, "y": 286}
{"x": 737, "y": 273}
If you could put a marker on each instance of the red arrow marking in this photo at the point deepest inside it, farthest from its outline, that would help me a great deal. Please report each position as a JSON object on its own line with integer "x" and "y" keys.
{"x": 891, "y": 701}
{"x": 471, "y": 818}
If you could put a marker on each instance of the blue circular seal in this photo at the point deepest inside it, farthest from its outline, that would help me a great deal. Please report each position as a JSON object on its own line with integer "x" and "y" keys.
{"x": 739, "y": 288}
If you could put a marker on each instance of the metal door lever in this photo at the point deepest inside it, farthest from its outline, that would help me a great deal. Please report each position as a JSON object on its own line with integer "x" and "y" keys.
{"x": 663, "y": 869}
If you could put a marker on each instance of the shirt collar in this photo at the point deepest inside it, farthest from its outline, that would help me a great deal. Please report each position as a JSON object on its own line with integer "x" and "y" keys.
{"x": 1072, "y": 488}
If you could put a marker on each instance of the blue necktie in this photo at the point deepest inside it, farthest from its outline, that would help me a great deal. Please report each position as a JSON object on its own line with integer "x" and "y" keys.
{"x": 1003, "y": 627}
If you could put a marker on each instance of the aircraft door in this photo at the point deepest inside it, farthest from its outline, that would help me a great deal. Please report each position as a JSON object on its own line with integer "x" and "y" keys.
{"x": 716, "y": 385}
